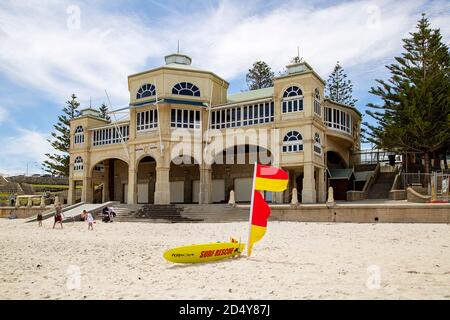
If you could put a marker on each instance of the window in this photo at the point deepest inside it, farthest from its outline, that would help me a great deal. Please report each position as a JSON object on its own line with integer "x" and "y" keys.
{"x": 317, "y": 109}
{"x": 110, "y": 135}
{"x": 99, "y": 167}
{"x": 242, "y": 116}
{"x": 292, "y": 142}
{"x": 147, "y": 120}
{"x": 338, "y": 120}
{"x": 78, "y": 164}
{"x": 186, "y": 89}
{"x": 147, "y": 90}
{"x": 79, "y": 135}
{"x": 317, "y": 145}
{"x": 292, "y": 100}
{"x": 182, "y": 118}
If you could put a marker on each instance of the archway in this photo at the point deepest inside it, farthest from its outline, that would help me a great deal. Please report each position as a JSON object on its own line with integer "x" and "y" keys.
{"x": 233, "y": 170}
{"x": 146, "y": 179}
{"x": 184, "y": 178}
{"x": 109, "y": 178}
{"x": 335, "y": 161}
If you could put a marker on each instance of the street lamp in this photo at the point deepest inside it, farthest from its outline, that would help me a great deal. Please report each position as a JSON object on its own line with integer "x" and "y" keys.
{"x": 32, "y": 162}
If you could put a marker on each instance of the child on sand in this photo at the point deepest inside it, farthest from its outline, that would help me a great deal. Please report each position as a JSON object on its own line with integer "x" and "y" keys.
{"x": 58, "y": 216}
{"x": 90, "y": 221}
{"x": 39, "y": 219}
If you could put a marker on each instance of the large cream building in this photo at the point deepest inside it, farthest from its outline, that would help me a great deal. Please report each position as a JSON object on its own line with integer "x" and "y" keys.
{"x": 179, "y": 112}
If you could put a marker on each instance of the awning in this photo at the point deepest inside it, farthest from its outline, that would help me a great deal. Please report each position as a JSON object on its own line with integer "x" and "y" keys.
{"x": 341, "y": 174}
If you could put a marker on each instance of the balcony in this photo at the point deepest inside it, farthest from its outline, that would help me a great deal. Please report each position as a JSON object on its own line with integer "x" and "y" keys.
{"x": 110, "y": 135}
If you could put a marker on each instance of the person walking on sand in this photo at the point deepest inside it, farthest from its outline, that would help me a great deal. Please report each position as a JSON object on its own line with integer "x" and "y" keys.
{"x": 58, "y": 216}
{"x": 90, "y": 221}
{"x": 39, "y": 219}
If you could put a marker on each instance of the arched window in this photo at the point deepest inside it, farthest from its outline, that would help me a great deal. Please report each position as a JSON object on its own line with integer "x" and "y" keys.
{"x": 317, "y": 144}
{"x": 79, "y": 135}
{"x": 317, "y": 109}
{"x": 78, "y": 164}
{"x": 292, "y": 100}
{"x": 147, "y": 90}
{"x": 292, "y": 142}
{"x": 186, "y": 89}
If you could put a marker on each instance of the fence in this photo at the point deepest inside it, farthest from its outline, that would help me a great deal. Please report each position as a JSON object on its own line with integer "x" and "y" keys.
{"x": 436, "y": 183}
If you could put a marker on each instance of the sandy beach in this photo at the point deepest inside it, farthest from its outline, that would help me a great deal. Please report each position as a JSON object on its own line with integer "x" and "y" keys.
{"x": 293, "y": 261}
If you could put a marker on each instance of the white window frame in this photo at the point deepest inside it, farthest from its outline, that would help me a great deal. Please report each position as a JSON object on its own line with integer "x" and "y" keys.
{"x": 292, "y": 104}
{"x": 146, "y": 87}
{"x": 179, "y": 115}
{"x": 317, "y": 144}
{"x": 317, "y": 106}
{"x": 261, "y": 113}
{"x": 147, "y": 120}
{"x": 78, "y": 164}
{"x": 78, "y": 137}
{"x": 110, "y": 135}
{"x": 291, "y": 146}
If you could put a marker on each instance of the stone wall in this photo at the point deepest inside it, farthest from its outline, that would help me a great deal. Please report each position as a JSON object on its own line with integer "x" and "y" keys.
{"x": 21, "y": 213}
{"x": 397, "y": 213}
{"x": 39, "y": 180}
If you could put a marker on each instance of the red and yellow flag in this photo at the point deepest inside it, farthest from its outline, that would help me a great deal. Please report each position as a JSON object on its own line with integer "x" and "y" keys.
{"x": 269, "y": 179}
{"x": 258, "y": 224}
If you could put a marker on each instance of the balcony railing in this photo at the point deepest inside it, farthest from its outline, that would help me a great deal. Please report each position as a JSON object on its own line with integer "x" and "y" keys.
{"x": 110, "y": 135}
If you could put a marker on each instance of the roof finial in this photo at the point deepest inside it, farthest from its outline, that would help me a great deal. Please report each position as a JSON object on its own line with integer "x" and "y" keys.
{"x": 90, "y": 102}
{"x": 178, "y": 48}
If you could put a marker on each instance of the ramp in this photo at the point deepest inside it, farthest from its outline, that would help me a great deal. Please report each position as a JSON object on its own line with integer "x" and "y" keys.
{"x": 72, "y": 212}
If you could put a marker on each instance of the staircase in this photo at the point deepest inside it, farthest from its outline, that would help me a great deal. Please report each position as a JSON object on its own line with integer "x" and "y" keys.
{"x": 185, "y": 213}
{"x": 383, "y": 184}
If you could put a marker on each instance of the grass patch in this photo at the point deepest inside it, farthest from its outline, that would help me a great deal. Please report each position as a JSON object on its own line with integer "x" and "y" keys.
{"x": 51, "y": 186}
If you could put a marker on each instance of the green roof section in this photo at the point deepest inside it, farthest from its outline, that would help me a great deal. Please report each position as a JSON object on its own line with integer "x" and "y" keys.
{"x": 341, "y": 173}
{"x": 344, "y": 105}
{"x": 250, "y": 95}
{"x": 363, "y": 175}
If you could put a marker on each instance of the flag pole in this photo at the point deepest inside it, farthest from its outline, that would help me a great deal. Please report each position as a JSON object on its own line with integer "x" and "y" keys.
{"x": 249, "y": 251}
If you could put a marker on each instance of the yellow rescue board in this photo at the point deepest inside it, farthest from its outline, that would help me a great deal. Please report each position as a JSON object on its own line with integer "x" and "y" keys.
{"x": 197, "y": 253}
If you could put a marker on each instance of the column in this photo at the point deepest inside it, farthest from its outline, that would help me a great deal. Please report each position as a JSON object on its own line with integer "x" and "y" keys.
{"x": 105, "y": 193}
{"x": 205, "y": 187}
{"x": 132, "y": 185}
{"x": 309, "y": 184}
{"x": 71, "y": 196}
{"x": 131, "y": 196}
{"x": 322, "y": 186}
{"x": 87, "y": 193}
{"x": 162, "y": 185}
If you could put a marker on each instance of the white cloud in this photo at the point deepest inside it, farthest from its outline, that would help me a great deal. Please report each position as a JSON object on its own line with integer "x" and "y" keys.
{"x": 26, "y": 146}
{"x": 39, "y": 50}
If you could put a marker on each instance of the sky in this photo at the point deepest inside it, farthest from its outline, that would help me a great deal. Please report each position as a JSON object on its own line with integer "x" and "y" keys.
{"x": 51, "y": 49}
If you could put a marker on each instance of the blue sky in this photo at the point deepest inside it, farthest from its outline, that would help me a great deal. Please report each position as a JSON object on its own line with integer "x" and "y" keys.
{"x": 46, "y": 52}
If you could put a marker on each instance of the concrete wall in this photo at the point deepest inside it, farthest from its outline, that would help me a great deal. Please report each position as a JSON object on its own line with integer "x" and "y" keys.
{"x": 408, "y": 213}
{"x": 21, "y": 213}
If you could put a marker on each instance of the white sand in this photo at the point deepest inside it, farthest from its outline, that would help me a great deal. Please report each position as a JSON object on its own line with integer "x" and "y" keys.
{"x": 293, "y": 261}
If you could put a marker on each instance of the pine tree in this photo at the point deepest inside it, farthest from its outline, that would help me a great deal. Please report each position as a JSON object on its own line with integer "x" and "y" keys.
{"x": 259, "y": 76}
{"x": 414, "y": 115}
{"x": 58, "y": 163}
{"x": 339, "y": 88}
{"x": 104, "y": 112}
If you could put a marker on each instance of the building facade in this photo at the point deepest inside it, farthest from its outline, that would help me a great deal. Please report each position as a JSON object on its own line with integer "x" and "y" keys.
{"x": 186, "y": 140}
